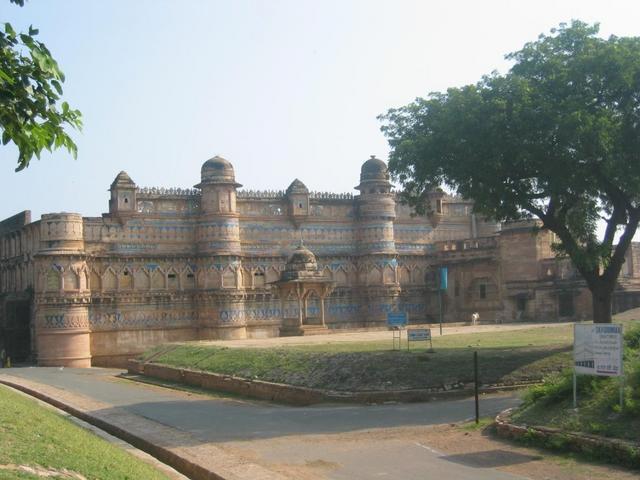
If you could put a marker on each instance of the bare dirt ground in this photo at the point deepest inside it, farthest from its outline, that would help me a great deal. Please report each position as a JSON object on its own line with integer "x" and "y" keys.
{"x": 372, "y": 336}
{"x": 314, "y": 457}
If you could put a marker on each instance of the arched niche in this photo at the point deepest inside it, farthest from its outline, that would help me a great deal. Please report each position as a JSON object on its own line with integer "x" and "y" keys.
{"x": 52, "y": 280}
{"x": 141, "y": 280}
{"x": 229, "y": 279}
{"x": 70, "y": 281}
{"x": 157, "y": 279}
{"x": 109, "y": 280}
{"x": 374, "y": 277}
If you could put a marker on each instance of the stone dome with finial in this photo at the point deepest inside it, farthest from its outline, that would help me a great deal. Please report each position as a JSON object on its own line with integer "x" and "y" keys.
{"x": 217, "y": 170}
{"x": 374, "y": 169}
{"x": 302, "y": 262}
{"x": 302, "y": 259}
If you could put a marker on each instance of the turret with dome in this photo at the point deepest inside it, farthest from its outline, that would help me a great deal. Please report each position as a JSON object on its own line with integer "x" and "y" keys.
{"x": 217, "y": 170}
{"x": 376, "y": 208}
{"x": 374, "y": 170}
{"x": 219, "y": 231}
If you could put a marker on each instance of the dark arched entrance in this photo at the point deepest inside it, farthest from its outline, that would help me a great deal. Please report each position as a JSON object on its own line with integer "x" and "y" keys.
{"x": 15, "y": 329}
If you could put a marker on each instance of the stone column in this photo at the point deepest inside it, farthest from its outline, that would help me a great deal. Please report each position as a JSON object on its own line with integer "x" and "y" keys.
{"x": 61, "y": 311}
{"x": 62, "y": 337}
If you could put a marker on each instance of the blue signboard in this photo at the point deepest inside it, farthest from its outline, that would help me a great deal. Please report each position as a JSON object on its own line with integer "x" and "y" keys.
{"x": 444, "y": 273}
{"x": 397, "y": 319}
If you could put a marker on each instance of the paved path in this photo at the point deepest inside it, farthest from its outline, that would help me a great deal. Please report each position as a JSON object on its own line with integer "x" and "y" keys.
{"x": 219, "y": 431}
{"x": 376, "y": 335}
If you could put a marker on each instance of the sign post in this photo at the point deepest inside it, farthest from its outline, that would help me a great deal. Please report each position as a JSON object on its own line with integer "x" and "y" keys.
{"x": 444, "y": 273}
{"x": 597, "y": 350}
{"x": 475, "y": 385}
{"x": 396, "y": 322}
{"x": 419, "y": 335}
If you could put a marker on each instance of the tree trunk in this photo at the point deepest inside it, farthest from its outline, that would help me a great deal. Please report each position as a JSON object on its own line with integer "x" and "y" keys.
{"x": 601, "y": 298}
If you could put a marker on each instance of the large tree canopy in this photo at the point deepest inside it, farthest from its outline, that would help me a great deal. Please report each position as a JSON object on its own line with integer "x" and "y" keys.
{"x": 557, "y": 138}
{"x": 30, "y": 89}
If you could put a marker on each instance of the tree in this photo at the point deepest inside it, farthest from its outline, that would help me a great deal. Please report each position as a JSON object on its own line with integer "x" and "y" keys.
{"x": 557, "y": 138}
{"x": 30, "y": 88}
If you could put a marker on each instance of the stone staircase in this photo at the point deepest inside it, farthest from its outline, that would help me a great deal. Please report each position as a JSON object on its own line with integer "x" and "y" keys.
{"x": 304, "y": 330}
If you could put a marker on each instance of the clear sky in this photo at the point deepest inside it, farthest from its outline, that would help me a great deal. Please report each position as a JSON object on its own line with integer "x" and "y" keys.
{"x": 282, "y": 89}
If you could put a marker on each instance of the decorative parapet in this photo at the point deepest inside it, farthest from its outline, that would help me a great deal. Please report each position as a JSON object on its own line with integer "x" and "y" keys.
{"x": 330, "y": 196}
{"x": 260, "y": 194}
{"x": 263, "y": 194}
{"x": 167, "y": 192}
{"x": 280, "y": 194}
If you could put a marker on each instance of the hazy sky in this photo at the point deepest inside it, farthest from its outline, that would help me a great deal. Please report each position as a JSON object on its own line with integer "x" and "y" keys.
{"x": 282, "y": 89}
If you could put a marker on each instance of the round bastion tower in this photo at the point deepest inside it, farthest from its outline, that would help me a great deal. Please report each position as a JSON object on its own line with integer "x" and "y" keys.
{"x": 62, "y": 295}
{"x": 377, "y": 260}
{"x": 221, "y": 306}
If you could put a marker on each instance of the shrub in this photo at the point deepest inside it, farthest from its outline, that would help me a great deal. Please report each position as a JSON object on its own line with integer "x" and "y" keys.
{"x": 553, "y": 388}
{"x": 632, "y": 337}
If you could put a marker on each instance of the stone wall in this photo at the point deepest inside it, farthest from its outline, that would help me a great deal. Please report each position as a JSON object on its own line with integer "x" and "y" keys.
{"x": 181, "y": 264}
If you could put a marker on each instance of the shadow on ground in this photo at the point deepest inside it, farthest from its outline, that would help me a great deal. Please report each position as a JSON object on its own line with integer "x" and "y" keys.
{"x": 490, "y": 458}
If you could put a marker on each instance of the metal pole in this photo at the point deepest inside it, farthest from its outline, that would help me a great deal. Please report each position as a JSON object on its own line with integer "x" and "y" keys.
{"x": 575, "y": 391}
{"x": 621, "y": 378}
{"x": 440, "y": 308}
{"x": 475, "y": 378}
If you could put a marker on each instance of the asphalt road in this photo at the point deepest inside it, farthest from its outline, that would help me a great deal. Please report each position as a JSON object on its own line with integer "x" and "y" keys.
{"x": 247, "y": 424}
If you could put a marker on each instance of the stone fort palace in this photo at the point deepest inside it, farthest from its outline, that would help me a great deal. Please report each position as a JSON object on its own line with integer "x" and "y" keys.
{"x": 216, "y": 262}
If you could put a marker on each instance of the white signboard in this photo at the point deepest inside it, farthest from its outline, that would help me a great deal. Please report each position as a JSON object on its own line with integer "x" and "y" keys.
{"x": 418, "y": 334}
{"x": 597, "y": 349}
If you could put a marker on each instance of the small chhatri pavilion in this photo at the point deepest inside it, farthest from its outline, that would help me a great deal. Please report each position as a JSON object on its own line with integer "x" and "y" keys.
{"x": 302, "y": 289}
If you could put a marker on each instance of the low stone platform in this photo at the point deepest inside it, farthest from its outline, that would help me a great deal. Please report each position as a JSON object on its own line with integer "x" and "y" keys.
{"x": 620, "y": 452}
{"x": 296, "y": 395}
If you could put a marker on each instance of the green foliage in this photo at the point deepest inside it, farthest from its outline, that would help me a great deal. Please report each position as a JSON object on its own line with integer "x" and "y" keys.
{"x": 483, "y": 423}
{"x": 30, "y": 89}
{"x": 599, "y": 412}
{"x": 632, "y": 337}
{"x": 553, "y": 388}
{"x": 558, "y": 387}
{"x": 557, "y": 137}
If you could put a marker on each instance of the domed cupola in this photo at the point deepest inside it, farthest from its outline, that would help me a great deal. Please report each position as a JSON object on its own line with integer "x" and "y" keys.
{"x": 217, "y": 170}
{"x": 302, "y": 264}
{"x": 374, "y": 169}
{"x": 302, "y": 259}
{"x": 218, "y": 187}
{"x": 374, "y": 177}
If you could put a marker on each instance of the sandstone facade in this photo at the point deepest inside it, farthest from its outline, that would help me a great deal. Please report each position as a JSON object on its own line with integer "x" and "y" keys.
{"x": 211, "y": 262}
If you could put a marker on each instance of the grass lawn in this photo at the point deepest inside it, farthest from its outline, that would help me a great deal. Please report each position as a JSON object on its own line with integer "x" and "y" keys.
{"x": 32, "y": 435}
{"x": 505, "y": 357}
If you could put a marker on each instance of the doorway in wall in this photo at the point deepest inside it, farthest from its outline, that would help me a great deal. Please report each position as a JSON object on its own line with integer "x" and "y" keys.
{"x": 15, "y": 330}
